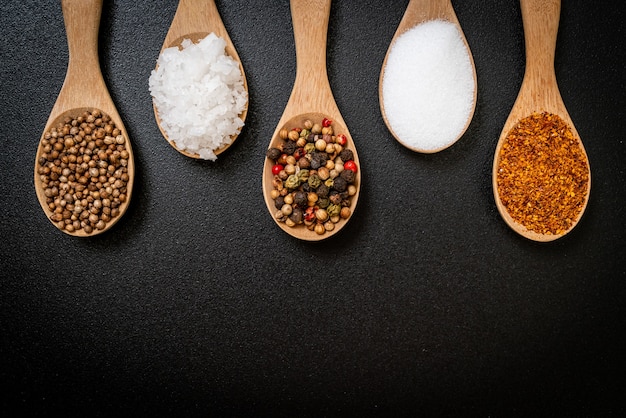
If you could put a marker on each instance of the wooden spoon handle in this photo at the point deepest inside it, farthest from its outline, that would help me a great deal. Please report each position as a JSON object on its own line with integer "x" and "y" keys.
{"x": 541, "y": 24}
{"x": 194, "y": 19}
{"x": 423, "y": 10}
{"x": 82, "y": 22}
{"x": 310, "y": 27}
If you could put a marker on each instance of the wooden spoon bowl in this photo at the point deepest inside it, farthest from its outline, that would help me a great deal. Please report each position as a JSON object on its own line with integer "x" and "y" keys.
{"x": 194, "y": 20}
{"x": 83, "y": 90}
{"x": 417, "y": 12}
{"x": 538, "y": 93}
{"x": 311, "y": 99}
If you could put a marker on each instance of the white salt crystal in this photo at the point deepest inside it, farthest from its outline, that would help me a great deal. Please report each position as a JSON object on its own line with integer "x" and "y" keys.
{"x": 428, "y": 86}
{"x": 198, "y": 92}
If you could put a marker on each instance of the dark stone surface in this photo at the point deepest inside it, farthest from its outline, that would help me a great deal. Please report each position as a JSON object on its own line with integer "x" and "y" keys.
{"x": 195, "y": 303}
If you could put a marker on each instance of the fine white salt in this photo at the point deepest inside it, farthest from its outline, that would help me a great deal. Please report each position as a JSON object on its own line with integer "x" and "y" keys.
{"x": 199, "y": 93}
{"x": 428, "y": 86}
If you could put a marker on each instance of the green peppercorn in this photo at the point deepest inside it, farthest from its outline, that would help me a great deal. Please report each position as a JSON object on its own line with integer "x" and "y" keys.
{"x": 303, "y": 175}
{"x": 309, "y": 148}
{"x": 314, "y": 181}
{"x": 292, "y": 181}
{"x": 323, "y": 202}
{"x": 333, "y": 209}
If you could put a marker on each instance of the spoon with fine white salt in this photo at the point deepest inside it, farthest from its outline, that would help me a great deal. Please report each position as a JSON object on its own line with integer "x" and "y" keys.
{"x": 427, "y": 85}
{"x": 195, "y": 20}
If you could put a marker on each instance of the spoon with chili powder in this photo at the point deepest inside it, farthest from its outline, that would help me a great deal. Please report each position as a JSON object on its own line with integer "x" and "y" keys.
{"x": 541, "y": 177}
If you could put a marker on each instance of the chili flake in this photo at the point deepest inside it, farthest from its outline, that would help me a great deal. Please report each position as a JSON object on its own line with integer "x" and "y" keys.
{"x": 543, "y": 174}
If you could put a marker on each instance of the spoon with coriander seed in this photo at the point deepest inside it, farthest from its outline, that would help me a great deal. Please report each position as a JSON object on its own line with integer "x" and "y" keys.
{"x": 311, "y": 174}
{"x": 541, "y": 177}
{"x": 84, "y": 168}
{"x": 198, "y": 87}
{"x": 427, "y": 85}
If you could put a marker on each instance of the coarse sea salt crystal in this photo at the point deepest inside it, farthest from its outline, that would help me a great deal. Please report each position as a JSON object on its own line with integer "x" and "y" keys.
{"x": 428, "y": 86}
{"x": 198, "y": 91}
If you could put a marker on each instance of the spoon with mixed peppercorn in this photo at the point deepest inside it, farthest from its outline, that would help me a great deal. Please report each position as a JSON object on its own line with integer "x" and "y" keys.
{"x": 194, "y": 20}
{"x": 311, "y": 175}
{"x": 541, "y": 177}
{"x": 84, "y": 168}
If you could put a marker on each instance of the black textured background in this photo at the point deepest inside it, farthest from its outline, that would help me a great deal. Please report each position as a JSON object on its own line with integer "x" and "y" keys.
{"x": 426, "y": 304}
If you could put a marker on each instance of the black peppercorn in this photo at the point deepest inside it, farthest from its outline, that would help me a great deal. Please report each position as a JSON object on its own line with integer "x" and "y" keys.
{"x": 273, "y": 153}
{"x": 289, "y": 147}
{"x": 340, "y": 184}
{"x": 310, "y": 138}
{"x": 335, "y": 197}
{"x": 348, "y": 175}
{"x": 300, "y": 199}
{"x": 297, "y": 215}
{"x": 321, "y": 156}
{"x": 346, "y": 155}
{"x": 279, "y": 202}
{"x": 315, "y": 163}
{"x": 322, "y": 190}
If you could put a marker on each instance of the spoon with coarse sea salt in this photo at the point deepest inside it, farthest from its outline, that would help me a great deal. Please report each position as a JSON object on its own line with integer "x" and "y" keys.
{"x": 428, "y": 99}
{"x": 194, "y": 20}
{"x": 539, "y": 92}
{"x": 83, "y": 90}
{"x": 311, "y": 99}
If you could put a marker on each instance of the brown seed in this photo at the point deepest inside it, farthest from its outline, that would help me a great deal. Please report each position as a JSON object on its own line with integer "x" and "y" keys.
{"x": 76, "y": 169}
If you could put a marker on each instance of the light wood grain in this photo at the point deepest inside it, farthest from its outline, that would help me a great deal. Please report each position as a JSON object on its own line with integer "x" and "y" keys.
{"x": 311, "y": 98}
{"x": 83, "y": 89}
{"x": 539, "y": 92}
{"x": 420, "y": 11}
{"x": 194, "y": 20}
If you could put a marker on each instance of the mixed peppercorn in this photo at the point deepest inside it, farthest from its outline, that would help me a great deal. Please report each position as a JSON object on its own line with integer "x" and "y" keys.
{"x": 83, "y": 170}
{"x": 314, "y": 177}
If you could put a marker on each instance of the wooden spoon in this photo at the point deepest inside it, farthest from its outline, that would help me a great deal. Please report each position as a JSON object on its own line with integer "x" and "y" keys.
{"x": 539, "y": 92}
{"x": 420, "y": 11}
{"x": 194, "y": 20}
{"x": 83, "y": 90}
{"x": 311, "y": 98}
